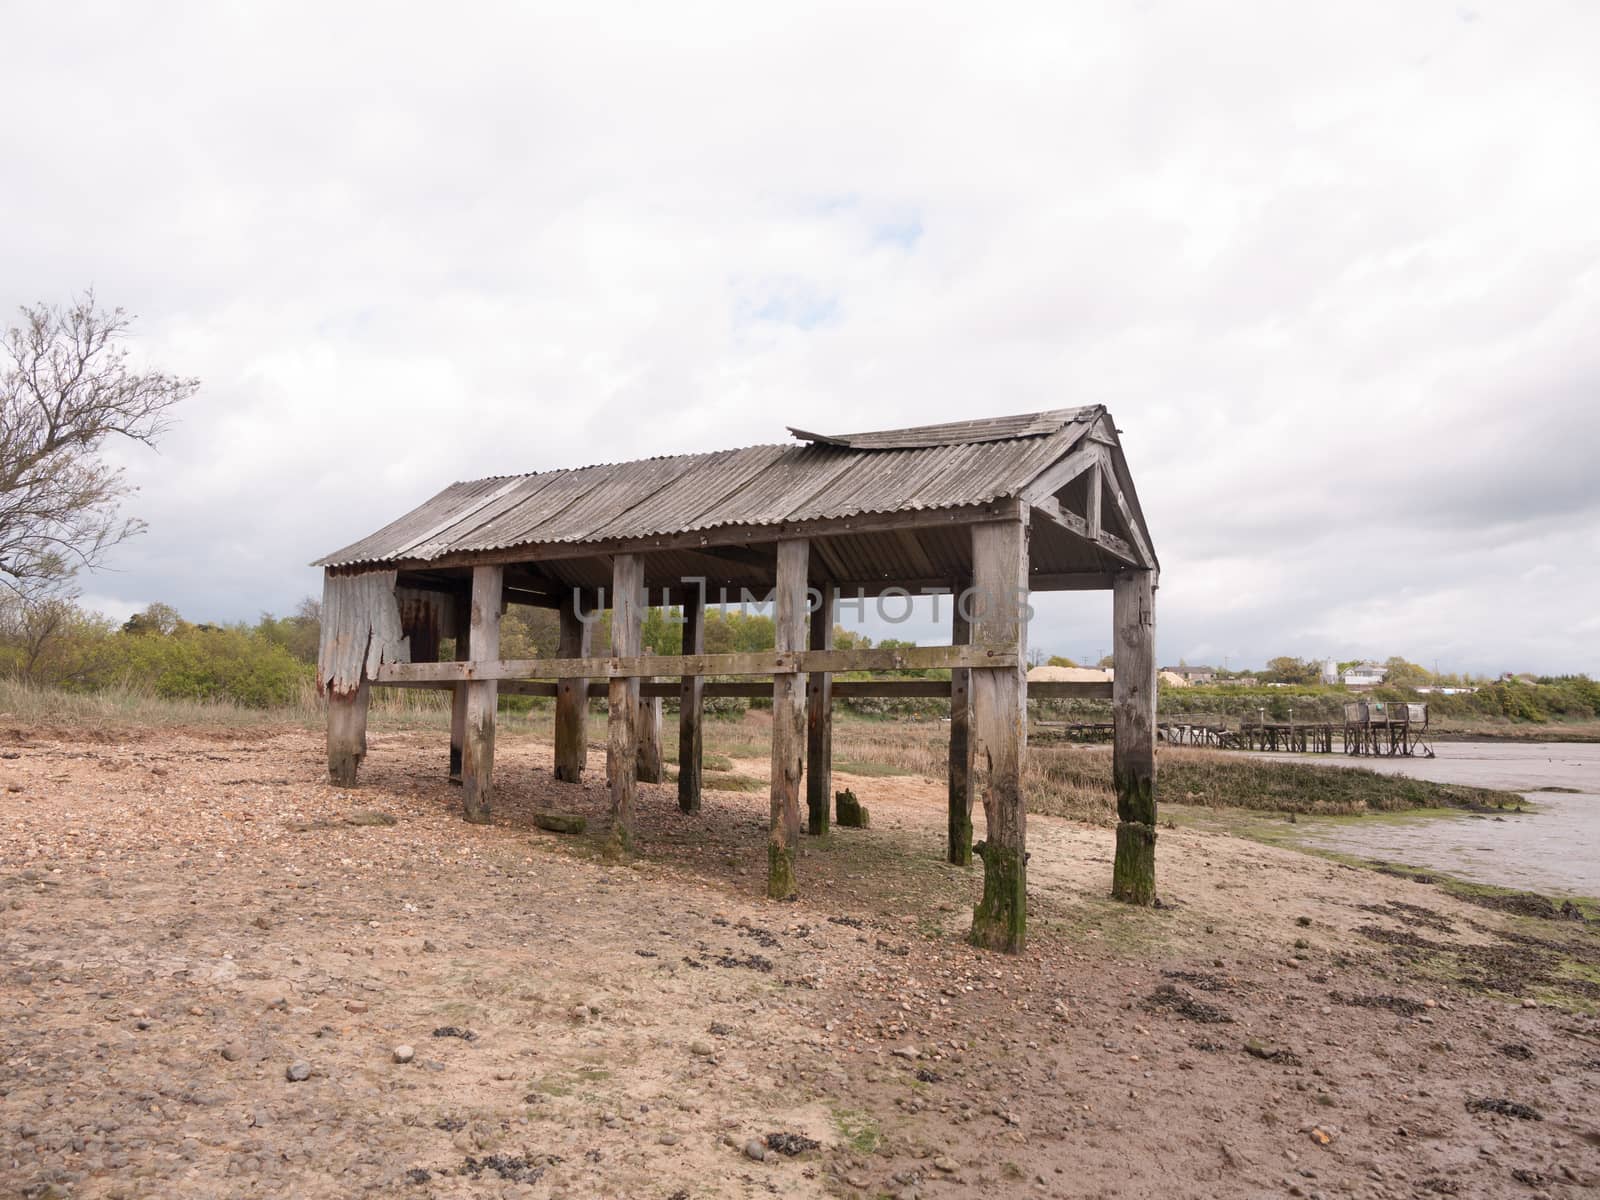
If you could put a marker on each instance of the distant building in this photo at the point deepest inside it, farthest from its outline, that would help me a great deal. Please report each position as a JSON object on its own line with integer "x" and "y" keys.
{"x": 1173, "y": 679}
{"x": 1438, "y": 690}
{"x": 1365, "y": 675}
{"x": 1194, "y": 675}
{"x": 1330, "y": 672}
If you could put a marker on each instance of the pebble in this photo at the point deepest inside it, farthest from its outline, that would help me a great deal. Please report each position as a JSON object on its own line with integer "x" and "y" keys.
{"x": 669, "y": 1139}
{"x": 233, "y": 1052}
{"x": 298, "y": 1072}
{"x": 1530, "y": 1002}
{"x": 702, "y": 1049}
{"x": 906, "y": 1052}
{"x": 754, "y": 1149}
{"x": 404, "y": 1054}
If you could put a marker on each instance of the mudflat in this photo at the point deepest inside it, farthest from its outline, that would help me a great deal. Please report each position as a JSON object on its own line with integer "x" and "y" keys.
{"x": 220, "y": 976}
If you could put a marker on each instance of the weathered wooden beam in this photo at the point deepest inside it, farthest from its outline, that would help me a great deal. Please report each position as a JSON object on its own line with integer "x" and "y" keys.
{"x": 347, "y": 733}
{"x": 1091, "y": 508}
{"x": 1133, "y": 755}
{"x": 572, "y": 693}
{"x": 788, "y": 722}
{"x": 958, "y": 848}
{"x": 755, "y": 689}
{"x": 462, "y": 632}
{"x": 622, "y": 725}
{"x": 1069, "y": 581}
{"x": 1056, "y": 476}
{"x": 483, "y": 696}
{"x": 731, "y": 535}
{"x": 819, "y": 723}
{"x": 649, "y": 768}
{"x": 767, "y": 662}
{"x": 1057, "y": 513}
{"x": 1069, "y": 691}
{"x": 1000, "y": 722}
{"x": 1051, "y": 510}
{"x": 1140, "y": 545}
{"x": 691, "y": 690}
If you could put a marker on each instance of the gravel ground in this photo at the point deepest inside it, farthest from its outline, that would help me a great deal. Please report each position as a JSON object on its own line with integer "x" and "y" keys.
{"x": 220, "y": 976}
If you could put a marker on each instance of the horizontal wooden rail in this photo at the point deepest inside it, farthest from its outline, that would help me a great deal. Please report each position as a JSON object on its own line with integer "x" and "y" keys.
{"x": 911, "y": 658}
{"x": 760, "y": 689}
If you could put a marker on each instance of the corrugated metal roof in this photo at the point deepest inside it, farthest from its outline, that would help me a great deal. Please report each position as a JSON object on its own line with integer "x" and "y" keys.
{"x": 936, "y": 466}
{"x": 955, "y": 433}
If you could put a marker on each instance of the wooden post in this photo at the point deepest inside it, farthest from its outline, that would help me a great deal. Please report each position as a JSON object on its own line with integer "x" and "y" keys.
{"x": 819, "y": 723}
{"x": 458, "y": 698}
{"x": 622, "y": 726}
{"x": 1000, "y": 721}
{"x": 959, "y": 849}
{"x": 788, "y": 721}
{"x": 1133, "y": 756}
{"x": 483, "y": 695}
{"x": 347, "y": 733}
{"x": 649, "y": 769}
{"x": 572, "y": 695}
{"x": 691, "y": 702}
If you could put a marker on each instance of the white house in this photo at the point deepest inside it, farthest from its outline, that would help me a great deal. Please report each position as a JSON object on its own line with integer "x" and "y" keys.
{"x": 1365, "y": 675}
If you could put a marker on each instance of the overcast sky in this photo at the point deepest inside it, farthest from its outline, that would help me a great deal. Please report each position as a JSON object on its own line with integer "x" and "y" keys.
{"x": 1333, "y": 268}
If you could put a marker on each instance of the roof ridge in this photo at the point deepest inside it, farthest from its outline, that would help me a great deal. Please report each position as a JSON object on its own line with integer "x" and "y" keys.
{"x": 971, "y": 431}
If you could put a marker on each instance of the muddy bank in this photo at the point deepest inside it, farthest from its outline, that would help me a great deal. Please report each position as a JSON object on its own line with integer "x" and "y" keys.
{"x": 208, "y": 972}
{"x": 1532, "y": 850}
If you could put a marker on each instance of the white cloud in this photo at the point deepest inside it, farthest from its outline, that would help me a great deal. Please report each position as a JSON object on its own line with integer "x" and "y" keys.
{"x": 1334, "y": 270}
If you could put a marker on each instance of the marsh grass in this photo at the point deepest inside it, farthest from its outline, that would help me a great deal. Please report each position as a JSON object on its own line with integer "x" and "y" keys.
{"x": 108, "y": 709}
{"x": 1075, "y": 781}
{"x": 1069, "y": 781}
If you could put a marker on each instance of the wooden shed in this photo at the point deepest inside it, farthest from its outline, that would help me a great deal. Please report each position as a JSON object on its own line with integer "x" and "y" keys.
{"x": 985, "y": 511}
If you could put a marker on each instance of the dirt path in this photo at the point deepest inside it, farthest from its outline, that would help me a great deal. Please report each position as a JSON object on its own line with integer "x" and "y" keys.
{"x": 187, "y": 920}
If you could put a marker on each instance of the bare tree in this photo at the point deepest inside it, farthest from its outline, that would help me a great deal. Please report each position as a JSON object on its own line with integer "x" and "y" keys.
{"x": 67, "y": 387}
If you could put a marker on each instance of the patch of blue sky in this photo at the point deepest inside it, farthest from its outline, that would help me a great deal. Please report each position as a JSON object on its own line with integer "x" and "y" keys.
{"x": 885, "y": 224}
{"x": 786, "y": 302}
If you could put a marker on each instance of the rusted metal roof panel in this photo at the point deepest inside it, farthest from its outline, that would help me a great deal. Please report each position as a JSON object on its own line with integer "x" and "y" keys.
{"x": 935, "y": 467}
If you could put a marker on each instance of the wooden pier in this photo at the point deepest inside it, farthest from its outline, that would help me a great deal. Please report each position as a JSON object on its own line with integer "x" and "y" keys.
{"x": 1370, "y": 727}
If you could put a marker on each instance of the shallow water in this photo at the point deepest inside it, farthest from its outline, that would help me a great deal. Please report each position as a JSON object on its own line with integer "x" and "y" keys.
{"x": 1556, "y": 849}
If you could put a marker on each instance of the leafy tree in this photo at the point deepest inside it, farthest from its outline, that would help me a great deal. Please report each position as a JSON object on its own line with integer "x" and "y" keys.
{"x": 850, "y": 639}
{"x": 300, "y": 634}
{"x": 529, "y": 632}
{"x": 735, "y": 632}
{"x": 156, "y": 618}
{"x": 49, "y": 639}
{"x": 1060, "y": 660}
{"x": 66, "y": 387}
{"x": 1285, "y": 669}
{"x": 1406, "y": 674}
